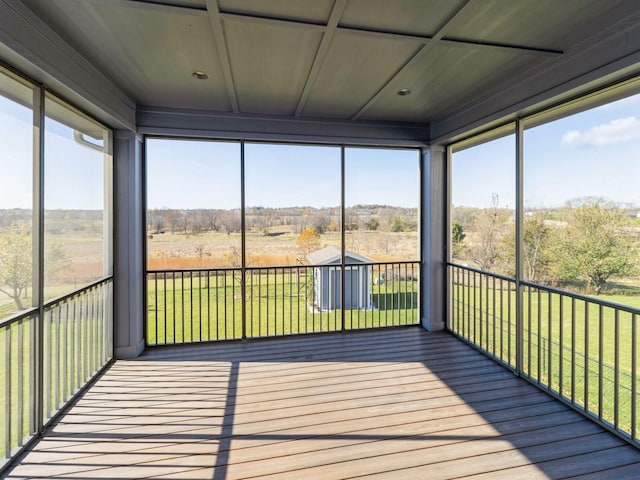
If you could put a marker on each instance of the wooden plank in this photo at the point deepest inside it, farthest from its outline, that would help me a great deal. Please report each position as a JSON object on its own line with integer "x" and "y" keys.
{"x": 399, "y": 403}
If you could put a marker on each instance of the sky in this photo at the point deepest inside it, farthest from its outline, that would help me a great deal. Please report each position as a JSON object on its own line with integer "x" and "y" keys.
{"x": 593, "y": 153}
{"x": 74, "y": 174}
{"x": 205, "y": 174}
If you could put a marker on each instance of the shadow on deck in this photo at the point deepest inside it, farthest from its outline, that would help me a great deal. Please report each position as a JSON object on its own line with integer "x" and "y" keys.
{"x": 398, "y": 403}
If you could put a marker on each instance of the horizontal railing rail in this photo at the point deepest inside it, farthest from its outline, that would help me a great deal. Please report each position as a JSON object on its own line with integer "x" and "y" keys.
{"x": 77, "y": 342}
{"x": 203, "y": 305}
{"x": 17, "y": 317}
{"x": 580, "y": 349}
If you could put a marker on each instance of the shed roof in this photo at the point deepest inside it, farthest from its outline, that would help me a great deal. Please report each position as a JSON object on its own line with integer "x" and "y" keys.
{"x": 331, "y": 254}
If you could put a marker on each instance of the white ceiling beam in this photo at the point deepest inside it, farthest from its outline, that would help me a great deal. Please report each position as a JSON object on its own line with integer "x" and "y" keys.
{"x": 221, "y": 46}
{"x": 321, "y": 54}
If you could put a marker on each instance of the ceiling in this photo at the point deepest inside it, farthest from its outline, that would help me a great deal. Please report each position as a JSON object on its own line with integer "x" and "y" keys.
{"x": 343, "y": 60}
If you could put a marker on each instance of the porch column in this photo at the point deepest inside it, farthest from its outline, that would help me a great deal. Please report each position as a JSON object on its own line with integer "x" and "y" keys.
{"x": 433, "y": 179}
{"x": 129, "y": 233}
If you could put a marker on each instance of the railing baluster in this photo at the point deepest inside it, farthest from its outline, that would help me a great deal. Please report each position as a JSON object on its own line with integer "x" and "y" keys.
{"x": 573, "y": 350}
{"x": 600, "y": 359}
{"x": 616, "y": 366}
{"x": 157, "y": 293}
{"x": 586, "y": 355}
{"x": 540, "y": 339}
{"x": 200, "y": 305}
{"x": 207, "y": 287}
{"x": 467, "y": 304}
{"x": 634, "y": 375}
{"x": 20, "y": 368}
{"x": 529, "y": 331}
{"x": 561, "y": 347}
{"x": 259, "y": 303}
{"x": 493, "y": 303}
{"x": 46, "y": 372}
{"x": 7, "y": 391}
{"x": 174, "y": 318}
{"x": 182, "y": 309}
{"x": 509, "y": 352}
{"x": 233, "y": 307}
{"x": 550, "y": 342}
{"x": 191, "y": 334}
{"x": 64, "y": 305}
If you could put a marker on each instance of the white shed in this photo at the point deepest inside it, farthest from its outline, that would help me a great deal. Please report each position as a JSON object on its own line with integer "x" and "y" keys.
{"x": 327, "y": 279}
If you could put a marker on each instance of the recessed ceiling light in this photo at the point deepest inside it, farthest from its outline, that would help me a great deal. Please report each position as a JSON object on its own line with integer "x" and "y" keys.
{"x": 199, "y": 75}
{"x": 403, "y": 92}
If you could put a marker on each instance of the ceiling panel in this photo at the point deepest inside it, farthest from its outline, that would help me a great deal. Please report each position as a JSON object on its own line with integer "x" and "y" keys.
{"x": 355, "y": 69}
{"x": 418, "y": 17}
{"x": 549, "y": 24}
{"x": 270, "y": 63}
{"x": 270, "y": 49}
{"x": 149, "y": 52}
{"x": 316, "y": 11}
{"x": 447, "y": 79}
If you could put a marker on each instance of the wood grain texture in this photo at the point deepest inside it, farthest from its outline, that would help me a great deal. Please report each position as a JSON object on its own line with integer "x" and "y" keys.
{"x": 397, "y": 403}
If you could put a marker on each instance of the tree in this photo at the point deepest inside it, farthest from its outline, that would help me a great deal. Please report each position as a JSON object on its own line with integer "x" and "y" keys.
{"x": 308, "y": 240}
{"x": 596, "y": 246}
{"x": 321, "y": 222}
{"x": 399, "y": 224}
{"x": 230, "y": 222}
{"x": 536, "y": 247}
{"x": 372, "y": 224}
{"x": 488, "y": 232}
{"x": 15, "y": 265}
{"x": 457, "y": 239}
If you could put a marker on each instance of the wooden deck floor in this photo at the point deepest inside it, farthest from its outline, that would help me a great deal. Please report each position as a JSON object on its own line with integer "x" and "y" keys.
{"x": 394, "y": 404}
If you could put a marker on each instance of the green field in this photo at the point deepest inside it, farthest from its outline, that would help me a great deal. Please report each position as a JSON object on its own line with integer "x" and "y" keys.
{"x": 578, "y": 349}
{"x": 75, "y": 347}
{"x": 184, "y": 309}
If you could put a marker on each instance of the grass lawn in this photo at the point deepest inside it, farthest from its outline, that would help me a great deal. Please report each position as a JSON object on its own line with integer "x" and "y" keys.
{"x": 183, "y": 309}
{"x": 572, "y": 347}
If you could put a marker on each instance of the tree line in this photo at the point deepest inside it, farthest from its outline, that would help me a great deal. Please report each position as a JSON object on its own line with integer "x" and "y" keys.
{"x": 263, "y": 219}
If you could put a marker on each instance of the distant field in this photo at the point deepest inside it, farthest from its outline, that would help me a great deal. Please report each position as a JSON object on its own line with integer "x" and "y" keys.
{"x": 217, "y": 249}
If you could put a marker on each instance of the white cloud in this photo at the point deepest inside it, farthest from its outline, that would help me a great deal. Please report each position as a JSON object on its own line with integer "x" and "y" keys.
{"x": 615, "y": 131}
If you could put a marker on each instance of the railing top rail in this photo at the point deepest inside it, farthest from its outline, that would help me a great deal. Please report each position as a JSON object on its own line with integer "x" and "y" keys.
{"x": 16, "y": 317}
{"x": 272, "y": 267}
{"x": 483, "y": 272}
{"x": 66, "y": 296}
{"x": 34, "y": 310}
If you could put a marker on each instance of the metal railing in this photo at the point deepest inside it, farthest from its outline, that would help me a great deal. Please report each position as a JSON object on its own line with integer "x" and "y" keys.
{"x": 203, "y": 305}
{"x": 580, "y": 349}
{"x": 77, "y": 342}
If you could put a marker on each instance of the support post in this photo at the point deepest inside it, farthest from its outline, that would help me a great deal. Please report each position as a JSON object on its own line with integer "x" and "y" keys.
{"x": 129, "y": 241}
{"x": 433, "y": 237}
